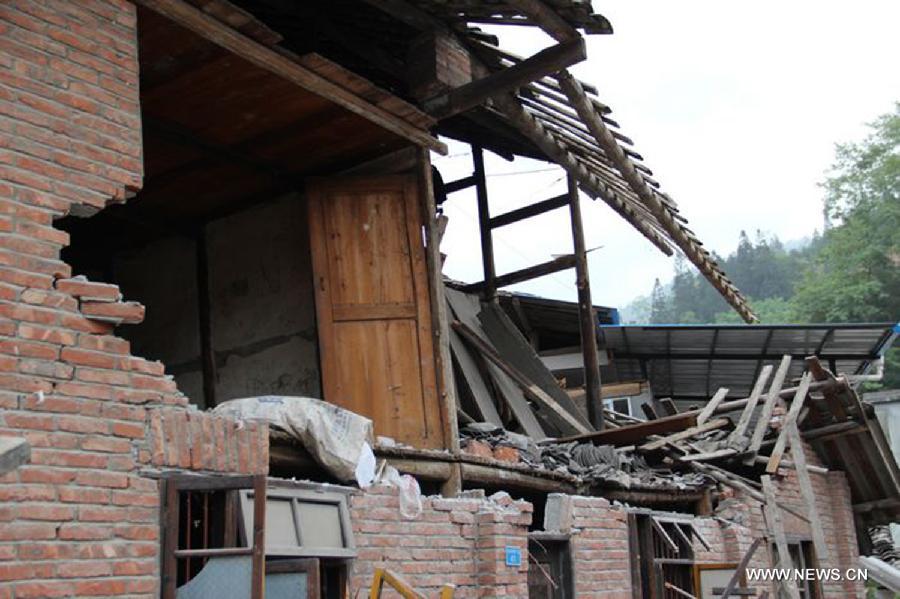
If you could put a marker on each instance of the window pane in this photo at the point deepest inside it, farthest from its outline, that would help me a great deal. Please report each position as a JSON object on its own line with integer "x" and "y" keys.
{"x": 320, "y": 524}
{"x": 280, "y": 528}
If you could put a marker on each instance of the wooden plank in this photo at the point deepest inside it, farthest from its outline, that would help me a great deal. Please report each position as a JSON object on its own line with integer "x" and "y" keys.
{"x": 14, "y": 452}
{"x": 791, "y": 418}
{"x": 765, "y": 414}
{"x": 739, "y": 571}
{"x": 737, "y": 435}
{"x": 531, "y": 390}
{"x": 711, "y": 405}
{"x": 806, "y": 491}
{"x": 547, "y": 61}
{"x": 466, "y": 308}
{"x": 709, "y": 455}
{"x": 631, "y": 434}
{"x": 446, "y": 383}
{"x": 775, "y": 525}
{"x": 514, "y": 216}
{"x": 685, "y": 434}
{"x": 473, "y": 379}
{"x": 515, "y": 349}
{"x": 587, "y": 317}
{"x": 266, "y": 58}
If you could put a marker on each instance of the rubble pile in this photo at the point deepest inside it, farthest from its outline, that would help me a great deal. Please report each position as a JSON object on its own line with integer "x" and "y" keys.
{"x": 603, "y": 465}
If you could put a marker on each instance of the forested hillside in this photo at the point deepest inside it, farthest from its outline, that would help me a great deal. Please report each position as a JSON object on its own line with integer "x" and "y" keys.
{"x": 848, "y": 273}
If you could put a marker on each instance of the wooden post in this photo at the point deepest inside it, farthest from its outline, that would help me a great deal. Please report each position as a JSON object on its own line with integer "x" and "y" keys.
{"x": 586, "y": 315}
{"x": 258, "y": 572}
{"x": 484, "y": 225}
{"x": 204, "y": 313}
{"x": 439, "y": 321}
{"x": 775, "y": 525}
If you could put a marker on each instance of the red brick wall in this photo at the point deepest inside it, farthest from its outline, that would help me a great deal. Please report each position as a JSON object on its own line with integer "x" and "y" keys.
{"x": 461, "y": 541}
{"x": 81, "y": 519}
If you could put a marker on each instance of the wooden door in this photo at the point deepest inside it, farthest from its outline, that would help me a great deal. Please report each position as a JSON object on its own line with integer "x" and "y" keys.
{"x": 372, "y": 304}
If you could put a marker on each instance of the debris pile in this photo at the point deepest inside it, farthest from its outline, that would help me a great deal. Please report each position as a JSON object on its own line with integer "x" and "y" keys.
{"x": 602, "y": 465}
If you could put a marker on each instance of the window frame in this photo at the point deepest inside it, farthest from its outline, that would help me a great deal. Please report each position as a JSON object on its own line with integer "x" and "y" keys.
{"x": 348, "y": 551}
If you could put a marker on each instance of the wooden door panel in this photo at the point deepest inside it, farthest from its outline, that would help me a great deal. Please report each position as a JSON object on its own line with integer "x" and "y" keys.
{"x": 372, "y": 303}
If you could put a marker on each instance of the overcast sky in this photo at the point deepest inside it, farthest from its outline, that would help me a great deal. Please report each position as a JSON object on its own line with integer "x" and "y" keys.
{"x": 735, "y": 106}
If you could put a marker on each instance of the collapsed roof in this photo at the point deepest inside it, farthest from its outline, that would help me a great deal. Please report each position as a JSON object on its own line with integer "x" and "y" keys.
{"x": 512, "y": 106}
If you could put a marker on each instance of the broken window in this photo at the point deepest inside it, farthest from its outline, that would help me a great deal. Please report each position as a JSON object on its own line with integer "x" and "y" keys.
{"x": 549, "y": 566}
{"x": 201, "y": 553}
{"x": 665, "y": 556}
{"x": 802, "y": 557}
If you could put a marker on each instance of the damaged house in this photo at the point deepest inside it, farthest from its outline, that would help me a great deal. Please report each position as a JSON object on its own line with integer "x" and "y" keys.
{"x": 231, "y": 365}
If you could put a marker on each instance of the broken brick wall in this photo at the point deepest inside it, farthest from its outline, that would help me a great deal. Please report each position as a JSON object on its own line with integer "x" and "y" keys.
{"x": 460, "y": 541}
{"x": 81, "y": 519}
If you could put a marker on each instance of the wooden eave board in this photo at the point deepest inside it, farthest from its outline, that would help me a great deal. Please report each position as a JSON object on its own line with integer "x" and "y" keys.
{"x": 473, "y": 380}
{"x": 466, "y": 307}
{"x": 510, "y": 343}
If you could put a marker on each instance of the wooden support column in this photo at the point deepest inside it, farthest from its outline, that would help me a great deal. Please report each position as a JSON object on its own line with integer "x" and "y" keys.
{"x": 586, "y": 316}
{"x": 204, "y": 313}
{"x": 439, "y": 320}
{"x": 489, "y": 290}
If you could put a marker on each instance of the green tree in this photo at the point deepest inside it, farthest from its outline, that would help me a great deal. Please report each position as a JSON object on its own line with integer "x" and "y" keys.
{"x": 855, "y": 274}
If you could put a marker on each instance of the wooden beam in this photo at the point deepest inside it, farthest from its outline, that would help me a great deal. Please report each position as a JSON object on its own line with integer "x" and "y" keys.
{"x": 652, "y": 200}
{"x": 712, "y": 404}
{"x": 14, "y": 452}
{"x": 468, "y": 96}
{"x": 806, "y": 491}
{"x": 204, "y": 318}
{"x": 790, "y": 419}
{"x": 276, "y": 63}
{"x": 630, "y": 434}
{"x": 737, "y": 435}
{"x": 526, "y": 274}
{"x": 587, "y": 317}
{"x": 546, "y": 18}
{"x": 489, "y": 286}
{"x": 528, "y": 126}
{"x": 514, "y": 216}
{"x": 775, "y": 525}
{"x": 739, "y": 571}
{"x": 685, "y": 434}
{"x": 439, "y": 321}
{"x": 460, "y": 184}
{"x": 258, "y": 568}
{"x": 765, "y": 414}
{"x": 531, "y": 390}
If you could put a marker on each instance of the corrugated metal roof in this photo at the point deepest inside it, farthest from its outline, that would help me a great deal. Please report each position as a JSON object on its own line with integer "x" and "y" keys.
{"x": 692, "y": 361}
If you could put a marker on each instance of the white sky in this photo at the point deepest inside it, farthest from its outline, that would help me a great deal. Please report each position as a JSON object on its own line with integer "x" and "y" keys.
{"x": 735, "y": 106}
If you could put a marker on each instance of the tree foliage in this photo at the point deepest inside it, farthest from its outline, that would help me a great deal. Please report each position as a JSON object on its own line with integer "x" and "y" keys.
{"x": 849, "y": 273}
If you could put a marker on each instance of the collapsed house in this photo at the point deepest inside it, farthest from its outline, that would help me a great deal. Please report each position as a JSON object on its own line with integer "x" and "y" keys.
{"x": 256, "y": 174}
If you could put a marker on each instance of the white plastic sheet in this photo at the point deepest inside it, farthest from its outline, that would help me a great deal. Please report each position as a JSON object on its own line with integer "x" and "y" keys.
{"x": 338, "y": 439}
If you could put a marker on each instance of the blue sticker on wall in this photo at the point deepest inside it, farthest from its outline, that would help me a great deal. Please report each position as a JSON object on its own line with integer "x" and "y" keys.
{"x": 513, "y": 556}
